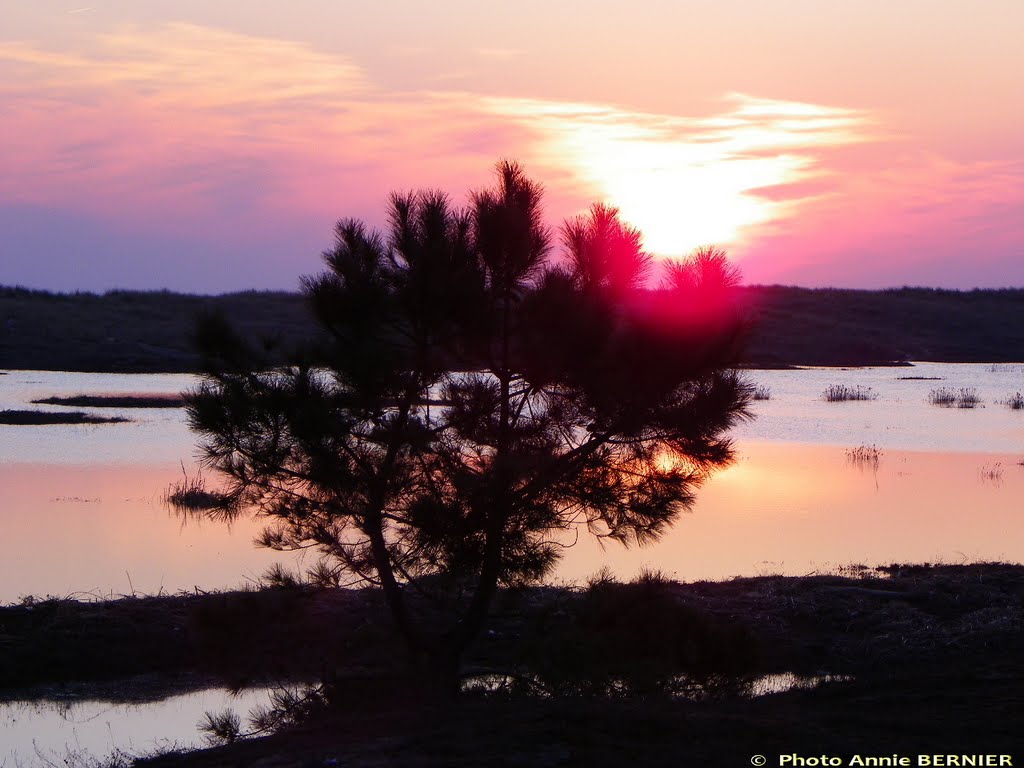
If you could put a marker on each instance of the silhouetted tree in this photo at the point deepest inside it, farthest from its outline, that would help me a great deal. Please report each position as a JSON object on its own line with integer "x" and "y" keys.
{"x": 475, "y": 401}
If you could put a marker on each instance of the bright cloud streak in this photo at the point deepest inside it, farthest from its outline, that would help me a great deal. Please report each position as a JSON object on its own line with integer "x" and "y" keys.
{"x": 685, "y": 182}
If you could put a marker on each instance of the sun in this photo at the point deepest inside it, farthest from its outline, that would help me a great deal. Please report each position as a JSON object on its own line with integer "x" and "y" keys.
{"x": 687, "y": 181}
{"x": 681, "y": 196}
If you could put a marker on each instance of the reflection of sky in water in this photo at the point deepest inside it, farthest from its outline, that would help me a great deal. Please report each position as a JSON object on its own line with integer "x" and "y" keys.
{"x": 47, "y": 732}
{"x": 901, "y": 417}
{"x": 108, "y": 532}
{"x": 797, "y": 509}
{"x": 157, "y": 436}
{"x": 792, "y": 504}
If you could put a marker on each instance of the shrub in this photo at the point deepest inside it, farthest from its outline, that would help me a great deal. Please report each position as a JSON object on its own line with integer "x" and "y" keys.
{"x": 761, "y": 392}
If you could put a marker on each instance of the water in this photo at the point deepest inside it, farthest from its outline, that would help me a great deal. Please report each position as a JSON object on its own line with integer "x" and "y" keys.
{"x": 900, "y": 418}
{"x": 947, "y": 487}
{"x": 77, "y": 732}
{"x": 83, "y": 513}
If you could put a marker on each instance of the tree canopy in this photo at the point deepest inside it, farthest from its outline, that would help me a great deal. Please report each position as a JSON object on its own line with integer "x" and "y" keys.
{"x": 480, "y": 393}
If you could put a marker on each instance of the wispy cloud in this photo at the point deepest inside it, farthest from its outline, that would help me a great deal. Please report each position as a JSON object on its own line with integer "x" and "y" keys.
{"x": 685, "y": 181}
{"x": 181, "y": 126}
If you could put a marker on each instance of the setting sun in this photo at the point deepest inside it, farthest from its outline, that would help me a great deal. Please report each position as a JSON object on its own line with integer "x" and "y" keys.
{"x": 686, "y": 182}
{"x": 678, "y": 200}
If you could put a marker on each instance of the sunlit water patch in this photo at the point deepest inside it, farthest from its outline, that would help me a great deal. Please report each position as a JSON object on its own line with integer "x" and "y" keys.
{"x": 795, "y": 509}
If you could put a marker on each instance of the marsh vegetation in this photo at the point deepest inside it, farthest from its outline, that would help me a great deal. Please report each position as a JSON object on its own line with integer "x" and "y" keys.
{"x": 869, "y": 456}
{"x": 190, "y": 494}
{"x": 1014, "y": 402}
{"x": 841, "y": 393}
{"x": 949, "y": 397}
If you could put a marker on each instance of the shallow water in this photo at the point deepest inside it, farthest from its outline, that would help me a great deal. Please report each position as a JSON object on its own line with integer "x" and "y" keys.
{"x": 49, "y": 732}
{"x": 901, "y": 416}
{"x": 786, "y": 508}
{"x": 948, "y": 486}
{"x": 92, "y": 531}
{"x": 154, "y": 436}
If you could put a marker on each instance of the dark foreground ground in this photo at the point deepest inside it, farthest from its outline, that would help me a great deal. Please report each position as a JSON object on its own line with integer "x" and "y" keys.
{"x": 144, "y": 332}
{"x": 926, "y": 659}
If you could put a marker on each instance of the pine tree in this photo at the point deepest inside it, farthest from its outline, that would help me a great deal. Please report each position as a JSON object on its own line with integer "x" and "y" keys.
{"x": 475, "y": 400}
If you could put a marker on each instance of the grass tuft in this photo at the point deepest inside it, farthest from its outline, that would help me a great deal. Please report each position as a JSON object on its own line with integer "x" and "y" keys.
{"x": 761, "y": 392}
{"x": 992, "y": 473}
{"x": 189, "y": 494}
{"x": 840, "y": 393}
{"x": 864, "y": 456}
{"x": 947, "y": 397}
{"x": 1015, "y": 402}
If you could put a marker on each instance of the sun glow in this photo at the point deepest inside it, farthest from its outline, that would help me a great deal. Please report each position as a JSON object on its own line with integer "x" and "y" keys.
{"x": 686, "y": 182}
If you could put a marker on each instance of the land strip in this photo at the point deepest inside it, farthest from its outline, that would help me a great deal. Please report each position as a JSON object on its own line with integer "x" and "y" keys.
{"x": 147, "y": 332}
{"x": 922, "y": 657}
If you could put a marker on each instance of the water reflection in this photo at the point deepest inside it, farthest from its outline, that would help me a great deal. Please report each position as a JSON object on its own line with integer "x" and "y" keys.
{"x": 945, "y": 487}
{"x": 782, "y": 507}
{"x": 799, "y": 509}
{"x": 49, "y": 731}
{"x": 101, "y": 531}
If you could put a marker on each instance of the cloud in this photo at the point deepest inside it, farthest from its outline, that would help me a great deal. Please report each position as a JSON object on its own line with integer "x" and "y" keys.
{"x": 685, "y": 181}
{"x": 231, "y": 139}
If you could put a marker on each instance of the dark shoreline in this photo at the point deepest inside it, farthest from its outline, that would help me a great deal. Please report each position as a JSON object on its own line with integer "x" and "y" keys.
{"x": 151, "y": 332}
{"x": 934, "y": 657}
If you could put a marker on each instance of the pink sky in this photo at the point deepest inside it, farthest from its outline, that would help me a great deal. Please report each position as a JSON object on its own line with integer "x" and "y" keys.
{"x": 210, "y": 146}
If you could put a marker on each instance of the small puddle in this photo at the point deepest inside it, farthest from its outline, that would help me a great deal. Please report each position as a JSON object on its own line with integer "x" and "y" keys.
{"x": 57, "y": 732}
{"x": 781, "y": 682}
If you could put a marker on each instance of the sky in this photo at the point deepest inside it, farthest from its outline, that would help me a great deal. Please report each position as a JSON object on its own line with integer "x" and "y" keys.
{"x": 210, "y": 147}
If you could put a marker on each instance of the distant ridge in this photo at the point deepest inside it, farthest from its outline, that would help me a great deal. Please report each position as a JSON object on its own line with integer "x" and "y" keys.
{"x": 832, "y": 326}
{"x": 150, "y": 331}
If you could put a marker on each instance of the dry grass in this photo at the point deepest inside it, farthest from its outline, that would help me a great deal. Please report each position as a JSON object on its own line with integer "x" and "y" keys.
{"x": 761, "y": 392}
